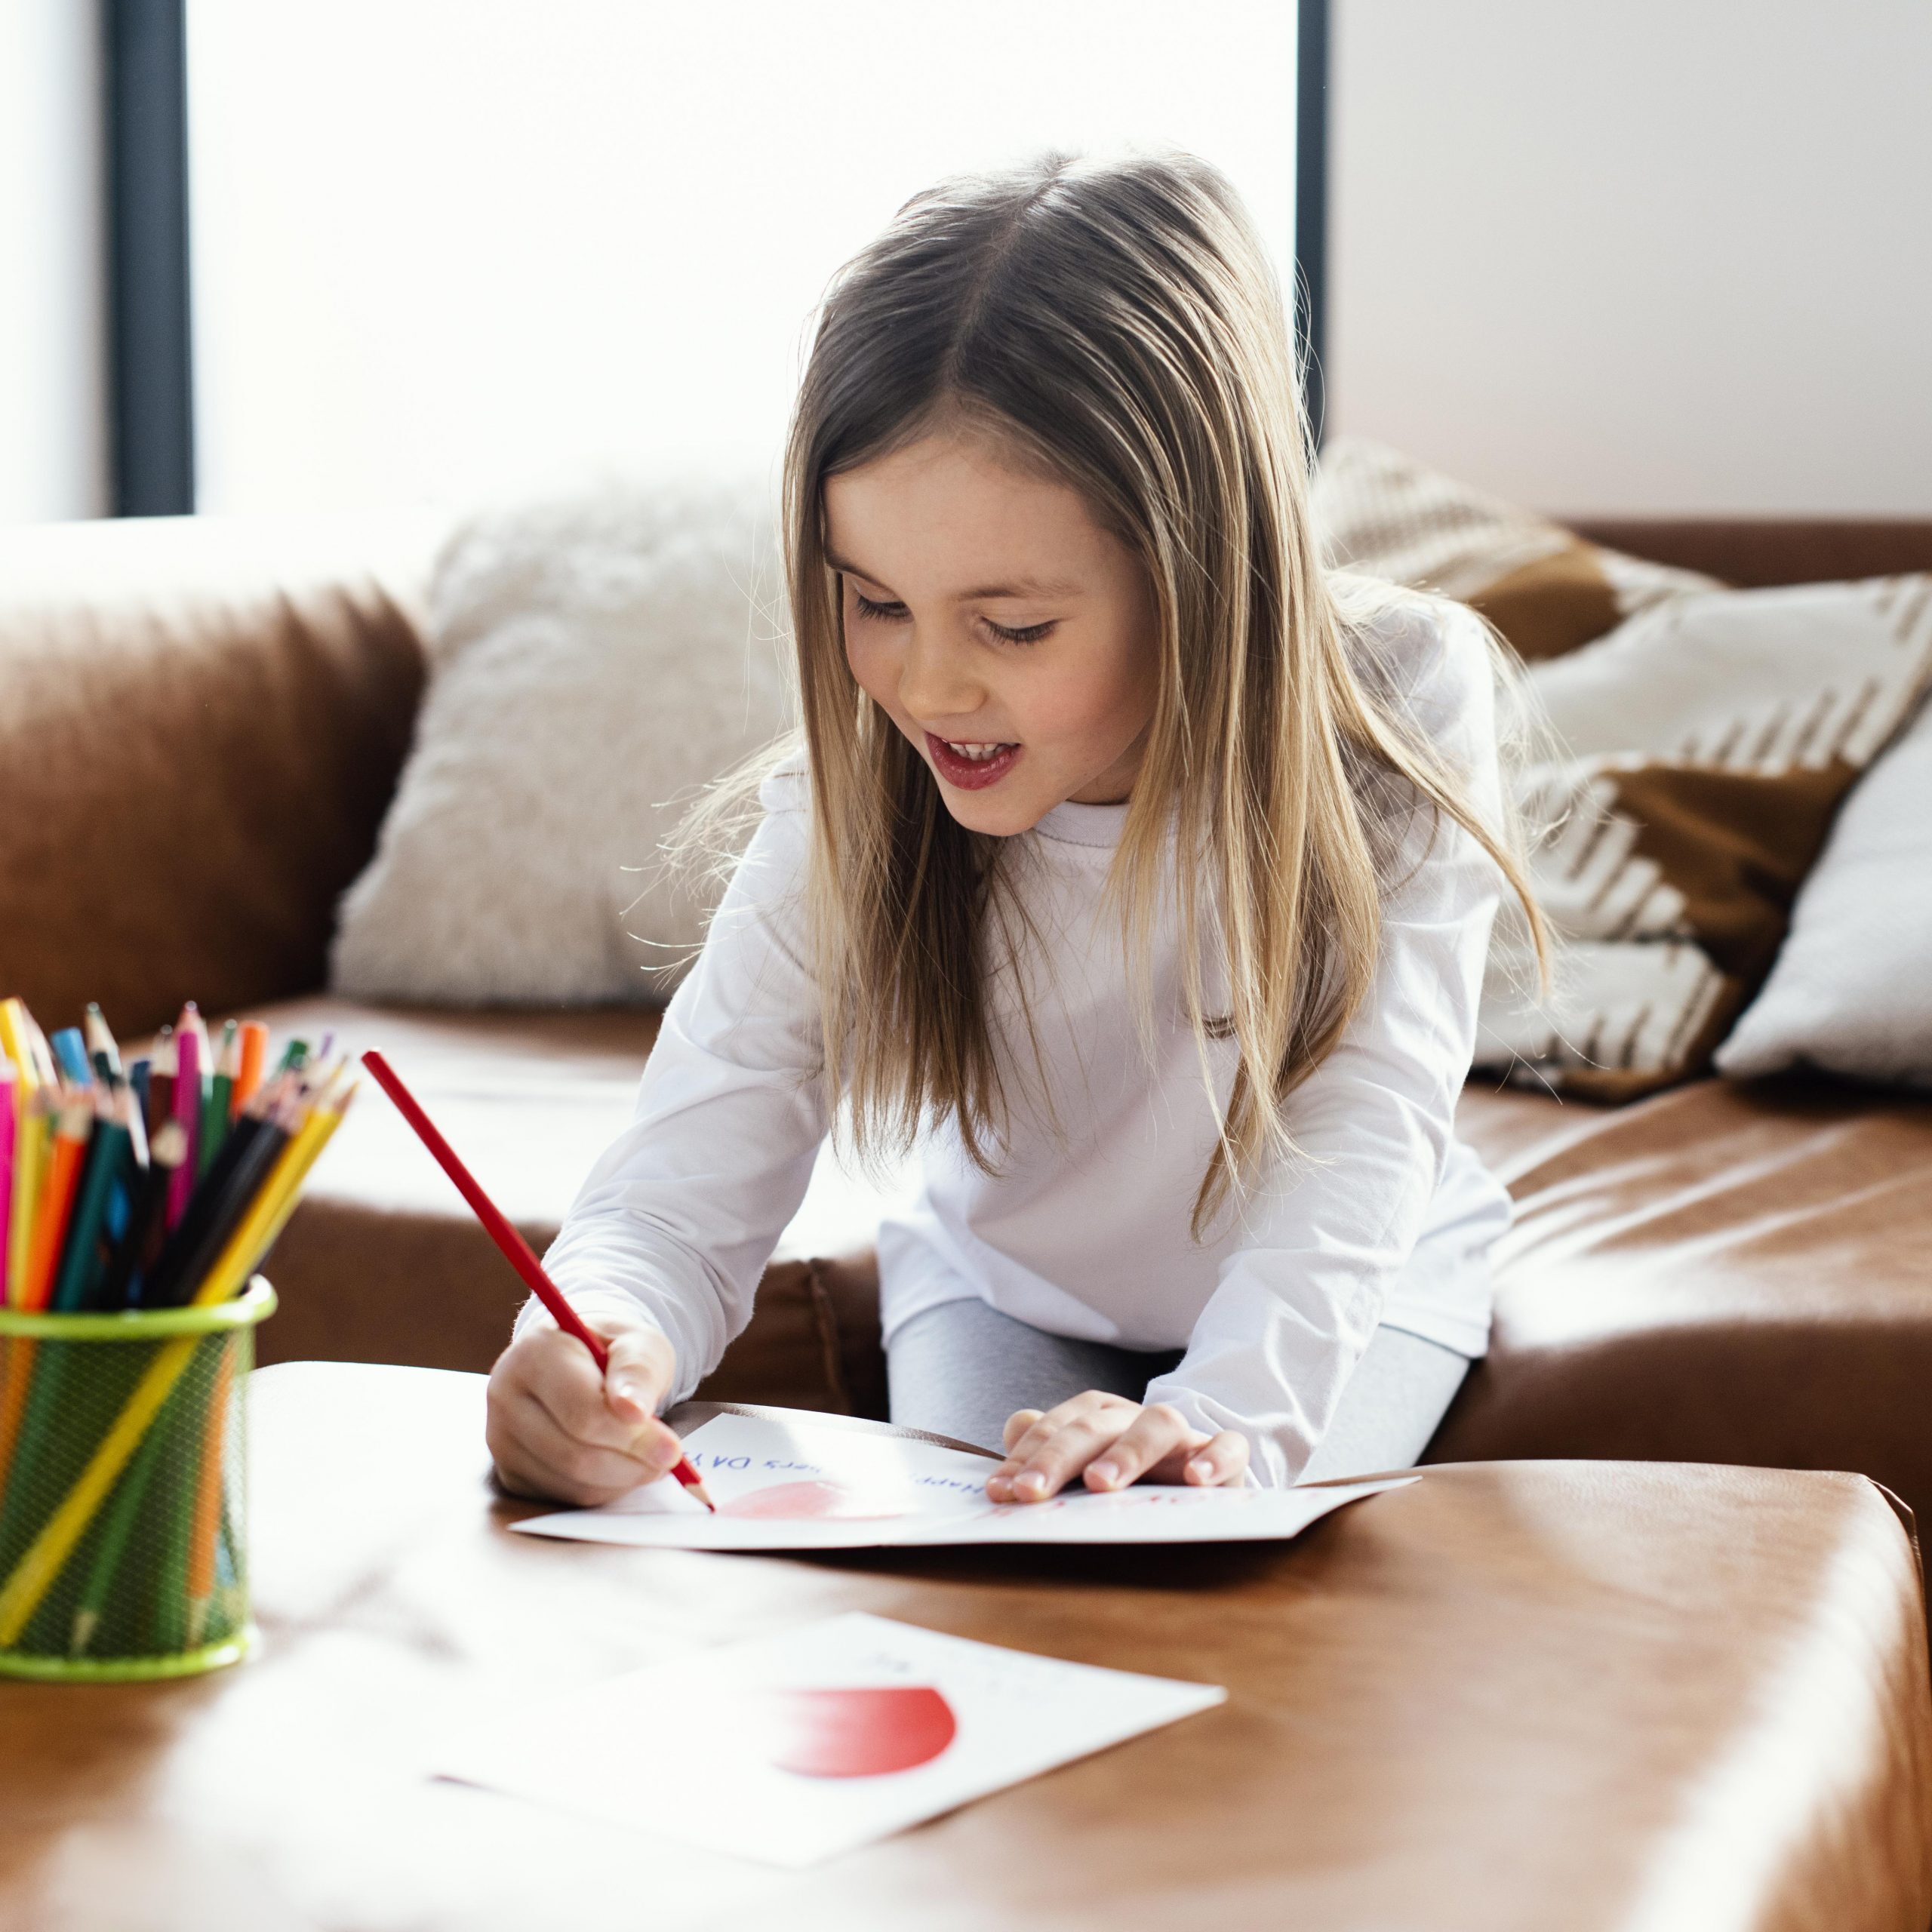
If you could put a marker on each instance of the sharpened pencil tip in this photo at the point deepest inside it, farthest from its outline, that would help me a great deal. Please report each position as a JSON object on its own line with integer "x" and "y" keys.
{"x": 703, "y": 1495}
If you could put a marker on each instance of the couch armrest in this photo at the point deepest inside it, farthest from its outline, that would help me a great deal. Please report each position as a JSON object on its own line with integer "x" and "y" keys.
{"x": 201, "y": 721}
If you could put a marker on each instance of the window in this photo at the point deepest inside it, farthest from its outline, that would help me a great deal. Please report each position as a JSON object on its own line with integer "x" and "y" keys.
{"x": 447, "y": 248}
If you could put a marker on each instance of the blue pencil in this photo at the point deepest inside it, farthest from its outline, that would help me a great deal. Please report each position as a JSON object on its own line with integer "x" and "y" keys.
{"x": 71, "y": 1050}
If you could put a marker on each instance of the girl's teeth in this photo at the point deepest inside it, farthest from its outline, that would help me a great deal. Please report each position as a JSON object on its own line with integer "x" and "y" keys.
{"x": 978, "y": 754}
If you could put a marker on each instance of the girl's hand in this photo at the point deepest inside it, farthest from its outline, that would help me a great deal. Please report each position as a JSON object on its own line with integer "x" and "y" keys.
{"x": 1116, "y": 1442}
{"x": 557, "y": 1429}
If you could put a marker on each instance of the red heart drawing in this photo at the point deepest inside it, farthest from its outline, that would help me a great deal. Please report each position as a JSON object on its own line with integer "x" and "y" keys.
{"x": 861, "y": 1733}
{"x": 825, "y": 1500}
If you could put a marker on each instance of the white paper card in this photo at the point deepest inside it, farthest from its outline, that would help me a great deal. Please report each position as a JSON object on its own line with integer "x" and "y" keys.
{"x": 793, "y": 1748}
{"x": 783, "y": 1481}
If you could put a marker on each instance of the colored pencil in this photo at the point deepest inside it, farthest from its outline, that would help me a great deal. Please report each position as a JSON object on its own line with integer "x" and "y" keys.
{"x": 70, "y": 1055}
{"x": 204, "y": 1529}
{"x": 195, "y": 1242}
{"x": 13, "y": 1034}
{"x": 26, "y": 1148}
{"x": 254, "y": 1054}
{"x": 220, "y": 1111}
{"x": 10, "y": 1127}
{"x": 83, "y": 1260}
{"x": 188, "y": 1112}
{"x": 116, "y": 1533}
{"x": 16, "y": 1352}
{"x": 140, "y": 1246}
{"x": 103, "y": 1048}
{"x": 255, "y": 1234}
{"x": 56, "y": 1197}
{"x": 160, "y": 1081}
{"x": 512, "y": 1246}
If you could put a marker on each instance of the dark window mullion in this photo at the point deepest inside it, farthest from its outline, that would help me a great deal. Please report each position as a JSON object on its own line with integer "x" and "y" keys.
{"x": 150, "y": 346}
{"x": 1311, "y": 202}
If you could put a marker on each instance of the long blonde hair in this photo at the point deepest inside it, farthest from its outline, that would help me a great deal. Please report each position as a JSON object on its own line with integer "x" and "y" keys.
{"x": 1117, "y": 323}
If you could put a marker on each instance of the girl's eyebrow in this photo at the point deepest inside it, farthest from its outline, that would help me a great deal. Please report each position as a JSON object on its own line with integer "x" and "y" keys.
{"x": 1021, "y": 587}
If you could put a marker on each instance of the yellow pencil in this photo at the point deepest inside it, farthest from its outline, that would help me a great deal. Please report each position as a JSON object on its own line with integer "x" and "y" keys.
{"x": 27, "y": 1142}
{"x": 274, "y": 1203}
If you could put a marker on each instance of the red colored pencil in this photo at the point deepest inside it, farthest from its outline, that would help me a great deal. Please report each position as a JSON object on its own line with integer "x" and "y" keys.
{"x": 516, "y": 1250}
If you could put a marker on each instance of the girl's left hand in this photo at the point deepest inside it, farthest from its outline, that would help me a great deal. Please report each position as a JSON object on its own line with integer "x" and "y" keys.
{"x": 1115, "y": 1442}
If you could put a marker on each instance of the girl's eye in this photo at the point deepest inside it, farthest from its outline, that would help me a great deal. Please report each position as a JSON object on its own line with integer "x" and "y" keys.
{"x": 1026, "y": 634}
{"x": 890, "y": 614}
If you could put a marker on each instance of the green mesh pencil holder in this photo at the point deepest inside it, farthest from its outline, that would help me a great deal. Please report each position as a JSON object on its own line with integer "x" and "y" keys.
{"x": 123, "y": 1483}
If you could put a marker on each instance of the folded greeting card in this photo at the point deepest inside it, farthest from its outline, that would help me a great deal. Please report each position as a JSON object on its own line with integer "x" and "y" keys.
{"x": 792, "y": 1748}
{"x": 787, "y": 1479}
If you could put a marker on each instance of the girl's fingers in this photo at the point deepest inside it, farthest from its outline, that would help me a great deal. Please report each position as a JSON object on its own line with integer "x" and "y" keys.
{"x": 1221, "y": 1460}
{"x": 1156, "y": 1433}
{"x": 639, "y": 1374}
{"x": 536, "y": 1457}
{"x": 1069, "y": 1449}
{"x": 559, "y": 1371}
{"x": 1025, "y": 1447}
{"x": 1017, "y": 1424}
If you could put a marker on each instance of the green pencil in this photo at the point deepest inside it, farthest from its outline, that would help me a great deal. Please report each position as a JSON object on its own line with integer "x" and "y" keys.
{"x": 114, "y": 1535}
{"x": 187, "y": 1425}
{"x": 82, "y": 1257}
{"x": 102, "y": 1048}
{"x": 215, "y": 1109}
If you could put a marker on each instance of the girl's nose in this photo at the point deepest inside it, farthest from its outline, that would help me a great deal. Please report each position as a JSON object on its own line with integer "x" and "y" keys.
{"x": 937, "y": 681}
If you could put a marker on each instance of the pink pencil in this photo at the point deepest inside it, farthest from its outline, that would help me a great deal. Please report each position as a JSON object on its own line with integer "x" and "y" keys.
{"x": 187, "y": 1098}
{"x": 9, "y": 1122}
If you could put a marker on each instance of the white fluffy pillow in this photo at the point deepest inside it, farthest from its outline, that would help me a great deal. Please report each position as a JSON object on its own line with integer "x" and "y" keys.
{"x": 594, "y": 659}
{"x": 1852, "y": 990}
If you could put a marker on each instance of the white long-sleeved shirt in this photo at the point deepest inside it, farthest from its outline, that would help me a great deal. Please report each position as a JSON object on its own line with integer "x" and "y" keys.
{"x": 1381, "y": 1217}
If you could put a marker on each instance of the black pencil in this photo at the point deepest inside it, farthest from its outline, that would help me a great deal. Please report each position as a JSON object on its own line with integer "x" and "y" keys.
{"x": 191, "y": 1252}
{"x": 146, "y": 1217}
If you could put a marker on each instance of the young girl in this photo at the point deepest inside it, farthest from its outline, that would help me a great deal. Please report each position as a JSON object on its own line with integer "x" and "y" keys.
{"x": 1132, "y": 871}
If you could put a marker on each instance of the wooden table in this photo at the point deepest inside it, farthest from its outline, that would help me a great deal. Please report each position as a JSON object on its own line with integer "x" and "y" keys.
{"x": 1571, "y": 1695}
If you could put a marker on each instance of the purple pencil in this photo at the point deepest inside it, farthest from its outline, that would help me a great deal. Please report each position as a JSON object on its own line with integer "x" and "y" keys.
{"x": 187, "y": 1100}
{"x": 9, "y": 1120}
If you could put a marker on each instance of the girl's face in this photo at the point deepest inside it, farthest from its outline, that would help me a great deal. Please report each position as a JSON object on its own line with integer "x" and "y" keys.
{"x": 1010, "y": 637}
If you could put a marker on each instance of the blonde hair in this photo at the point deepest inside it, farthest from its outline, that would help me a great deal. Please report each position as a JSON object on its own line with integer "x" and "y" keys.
{"x": 1117, "y": 323}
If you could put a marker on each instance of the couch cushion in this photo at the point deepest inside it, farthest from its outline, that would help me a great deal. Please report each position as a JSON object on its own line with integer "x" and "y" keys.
{"x": 1727, "y": 1273}
{"x": 201, "y": 723}
{"x": 382, "y": 1261}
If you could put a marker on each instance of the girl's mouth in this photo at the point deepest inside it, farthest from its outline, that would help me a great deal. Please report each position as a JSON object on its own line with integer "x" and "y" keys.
{"x": 971, "y": 767}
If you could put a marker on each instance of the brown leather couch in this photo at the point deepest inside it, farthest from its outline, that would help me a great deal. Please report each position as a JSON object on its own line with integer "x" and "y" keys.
{"x": 201, "y": 724}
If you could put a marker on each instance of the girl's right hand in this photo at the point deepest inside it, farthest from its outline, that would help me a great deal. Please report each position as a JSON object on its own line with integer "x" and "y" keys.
{"x": 558, "y": 1429}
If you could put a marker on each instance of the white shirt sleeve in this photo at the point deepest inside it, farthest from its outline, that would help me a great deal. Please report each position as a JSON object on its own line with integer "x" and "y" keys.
{"x": 681, "y": 1212}
{"x": 1298, "y": 1300}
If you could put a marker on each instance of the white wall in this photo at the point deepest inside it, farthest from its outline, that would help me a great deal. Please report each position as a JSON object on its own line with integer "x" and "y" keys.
{"x": 53, "y": 427}
{"x": 1626, "y": 255}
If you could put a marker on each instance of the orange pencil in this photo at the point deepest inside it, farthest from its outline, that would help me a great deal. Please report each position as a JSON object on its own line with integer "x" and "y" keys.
{"x": 56, "y": 1197}
{"x": 206, "y": 1526}
{"x": 17, "y": 1353}
{"x": 254, "y": 1053}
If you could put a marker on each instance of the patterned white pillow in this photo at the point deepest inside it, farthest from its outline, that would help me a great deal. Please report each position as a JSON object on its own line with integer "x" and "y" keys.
{"x": 1708, "y": 744}
{"x": 1544, "y": 588}
{"x": 1852, "y": 990}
